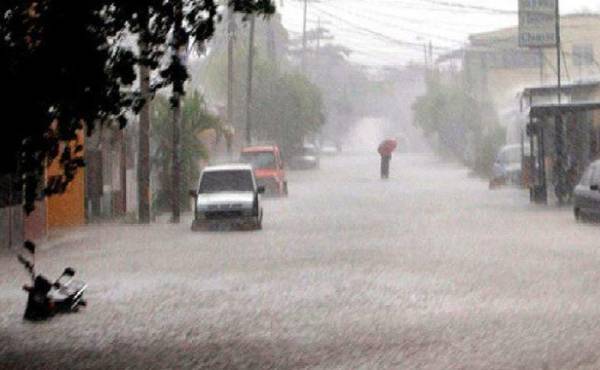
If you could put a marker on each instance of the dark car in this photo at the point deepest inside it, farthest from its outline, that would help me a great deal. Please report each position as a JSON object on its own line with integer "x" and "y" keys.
{"x": 305, "y": 158}
{"x": 508, "y": 167}
{"x": 587, "y": 194}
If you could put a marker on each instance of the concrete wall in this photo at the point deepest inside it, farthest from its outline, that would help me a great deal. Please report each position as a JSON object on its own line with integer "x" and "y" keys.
{"x": 36, "y": 223}
{"x": 67, "y": 209}
{"x": 11, "y": 226}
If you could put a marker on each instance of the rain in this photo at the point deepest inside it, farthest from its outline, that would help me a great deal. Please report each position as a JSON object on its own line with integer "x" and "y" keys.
{"x": 315, "y": 184}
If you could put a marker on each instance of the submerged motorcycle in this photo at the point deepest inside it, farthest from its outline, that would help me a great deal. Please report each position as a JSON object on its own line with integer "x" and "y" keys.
{"x": 45, "y": 299}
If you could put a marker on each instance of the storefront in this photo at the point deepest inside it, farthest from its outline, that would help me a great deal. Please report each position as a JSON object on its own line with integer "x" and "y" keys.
{"x": 564, "y": 140}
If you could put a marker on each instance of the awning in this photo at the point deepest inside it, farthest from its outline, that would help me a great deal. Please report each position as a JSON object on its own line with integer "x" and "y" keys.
{"x": 541, "y": 110}
{"x": 565, "y": 88}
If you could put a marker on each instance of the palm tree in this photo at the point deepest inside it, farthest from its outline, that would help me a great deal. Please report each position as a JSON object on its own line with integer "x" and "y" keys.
{"x": 195, "y": 119}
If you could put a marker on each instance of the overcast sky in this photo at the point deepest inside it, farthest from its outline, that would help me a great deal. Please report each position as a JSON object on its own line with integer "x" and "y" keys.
{"x": 391, "y": 32}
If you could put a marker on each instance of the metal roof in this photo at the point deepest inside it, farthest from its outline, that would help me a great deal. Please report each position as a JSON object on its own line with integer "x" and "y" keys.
{"x": 539, "y": 110}
{"x": 548, "y": 89}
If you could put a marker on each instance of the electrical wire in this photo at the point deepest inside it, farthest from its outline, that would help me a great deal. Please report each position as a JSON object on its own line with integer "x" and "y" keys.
{"x": 380, "y": 35}
{"x": 418, "y": 33}
{"x": 463, "y": 6}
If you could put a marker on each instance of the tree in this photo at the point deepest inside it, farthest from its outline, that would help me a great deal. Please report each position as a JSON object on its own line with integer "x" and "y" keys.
{"x": 195, "y": 119}
{"x": 68, "y": 66}
{"x": 55, "y": 86}
{"x": 460, "y": 122}
{"x": 286, "y": 106}
{"x": 291, "y": 109}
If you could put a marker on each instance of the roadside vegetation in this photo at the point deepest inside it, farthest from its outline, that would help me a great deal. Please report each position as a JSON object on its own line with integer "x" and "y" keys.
{"x": 459, "y": 124}
{"x": 195, "y": 118}
{"x": 286, "y": 106}
{"x": 59, "y": 88}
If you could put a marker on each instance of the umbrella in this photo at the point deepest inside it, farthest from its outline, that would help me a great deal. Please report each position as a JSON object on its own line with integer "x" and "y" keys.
{"x": 387, "y": 147}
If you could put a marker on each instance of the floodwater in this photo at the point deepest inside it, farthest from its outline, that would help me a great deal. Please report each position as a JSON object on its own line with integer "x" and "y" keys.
{"x": 427, "y": 270}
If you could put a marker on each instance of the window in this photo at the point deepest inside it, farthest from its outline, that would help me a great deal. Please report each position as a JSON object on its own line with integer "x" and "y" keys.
{"x": 224, "y": 181}
{"x": 513, "y": 59}
{"x": 259, "y": 159}
{"x": 583, "y": 54}
{"x": 511, "y": 155}
{"x": 586, "y": 179}
{"x": 596, "y": 176}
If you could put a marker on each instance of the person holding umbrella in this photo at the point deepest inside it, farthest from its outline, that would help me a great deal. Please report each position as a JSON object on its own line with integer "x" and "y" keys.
{"x": 386, "y": 148}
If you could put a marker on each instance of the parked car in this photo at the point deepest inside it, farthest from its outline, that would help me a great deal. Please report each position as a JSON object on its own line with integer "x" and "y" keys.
{"x": 268, "y": 168}
{"x": 587, "y": 194}
{"x": 229, "y": 195}
{"x": 330, "y": 148}
{"x": 507, "y": 166}
{"x": 305, "y": 158}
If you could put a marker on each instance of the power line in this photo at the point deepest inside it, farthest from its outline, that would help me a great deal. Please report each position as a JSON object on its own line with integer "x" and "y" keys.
{"x": 439, "y": 25}
{"x": 453, "y": 6}
{"x": 461, "y": 27}
{"x": 395, "y": 25}
{"x": 390, "y": 39}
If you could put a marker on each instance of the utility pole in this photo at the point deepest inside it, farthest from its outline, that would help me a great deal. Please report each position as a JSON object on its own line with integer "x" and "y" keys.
{"x": 431, "y": 53}
{"x": 249, "y": 84}
{"x": 175, "y": 164}
{"x": 10, "y": 210}
{"x": 558, "y": 47}
{"x": 230, "y": 66}
{"x": 541, "y": 56}
{"x": 304, "y": 36}
{"x": 123, "y": 170}
{"x": 271, "y": 46}
{"x": 179, "y": 47}
{"x": 318, "y": 52}
{"x": 143, "y": 170}
{"x": 559, "y": 134}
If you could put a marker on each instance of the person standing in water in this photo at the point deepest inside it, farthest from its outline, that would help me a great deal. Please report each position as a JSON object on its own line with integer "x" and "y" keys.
{"x": 386, "y": 148}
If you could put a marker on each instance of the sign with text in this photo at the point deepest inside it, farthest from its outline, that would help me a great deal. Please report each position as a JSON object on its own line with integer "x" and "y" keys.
{"x": 537, "y": 23}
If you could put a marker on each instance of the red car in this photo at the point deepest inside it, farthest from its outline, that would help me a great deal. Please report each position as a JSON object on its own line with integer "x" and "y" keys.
{"x": 268, "y": 168}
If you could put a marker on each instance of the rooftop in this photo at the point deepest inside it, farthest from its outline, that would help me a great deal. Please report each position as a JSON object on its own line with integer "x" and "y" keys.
{"x": 540, "y": 110}
{"x": 228, "y": 167}
{"x": 565, "y": 87}
{"x": 510, "y": 34}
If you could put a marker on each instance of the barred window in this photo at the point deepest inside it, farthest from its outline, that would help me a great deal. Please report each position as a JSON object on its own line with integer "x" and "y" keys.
{"x": 583, "y": 54}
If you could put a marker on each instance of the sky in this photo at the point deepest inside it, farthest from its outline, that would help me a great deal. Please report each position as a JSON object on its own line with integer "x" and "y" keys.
{"x": 393, "y": 32}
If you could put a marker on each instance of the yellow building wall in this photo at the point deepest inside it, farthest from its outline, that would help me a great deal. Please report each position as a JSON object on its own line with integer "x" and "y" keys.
{"x": 503, "y": 84}
{"x": 67, "y": 209}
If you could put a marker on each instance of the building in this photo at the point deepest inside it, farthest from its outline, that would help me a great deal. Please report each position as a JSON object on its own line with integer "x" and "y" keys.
{"x": 110, "y": 173}
{"x": 104, "y": 189}
{"x": 496, "y": 68}
{"x": 67, "y": 209}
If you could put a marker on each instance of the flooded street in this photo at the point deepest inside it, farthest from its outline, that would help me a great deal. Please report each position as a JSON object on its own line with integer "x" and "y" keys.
{"x": 427, "y": 270}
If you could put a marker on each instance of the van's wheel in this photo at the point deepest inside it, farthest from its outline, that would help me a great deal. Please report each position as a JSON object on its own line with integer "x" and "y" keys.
{"x": 257, "y": 223}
